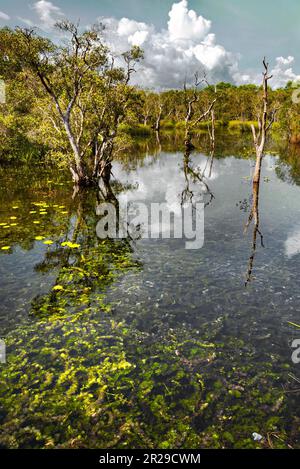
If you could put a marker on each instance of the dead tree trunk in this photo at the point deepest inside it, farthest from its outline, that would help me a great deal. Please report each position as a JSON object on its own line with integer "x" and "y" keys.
{"x": 259, "y": 137}
{"x": 264, "y": 125}
{"x": 190, "y": 112}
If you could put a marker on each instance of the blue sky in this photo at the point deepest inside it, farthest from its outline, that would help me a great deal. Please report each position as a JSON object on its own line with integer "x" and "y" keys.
{"x": 247, "y": 29}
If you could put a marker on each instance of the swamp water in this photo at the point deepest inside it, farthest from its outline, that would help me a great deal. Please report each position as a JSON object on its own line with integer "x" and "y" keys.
{"x": 122, "y": 344}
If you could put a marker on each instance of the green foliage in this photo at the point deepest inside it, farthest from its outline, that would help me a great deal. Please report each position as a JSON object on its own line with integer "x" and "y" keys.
{"x": 87, "y": 381}
{"x": 78, "y": 98}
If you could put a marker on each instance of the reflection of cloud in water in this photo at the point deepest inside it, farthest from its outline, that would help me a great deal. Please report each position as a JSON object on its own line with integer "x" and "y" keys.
{"x": 164, "y": 180}
{"x": 269, "y": 162}
{"x": 292, "y": 244}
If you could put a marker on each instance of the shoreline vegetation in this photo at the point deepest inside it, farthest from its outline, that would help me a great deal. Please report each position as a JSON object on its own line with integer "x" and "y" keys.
{"x": 133, "y": 135}
{"x": 74, "y": 105}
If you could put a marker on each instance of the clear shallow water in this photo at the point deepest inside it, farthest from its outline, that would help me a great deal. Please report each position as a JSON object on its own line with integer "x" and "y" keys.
{"x": 201, "y": 359}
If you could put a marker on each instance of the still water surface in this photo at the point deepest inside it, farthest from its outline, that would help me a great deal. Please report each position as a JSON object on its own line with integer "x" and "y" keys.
{"x": 147, "y": 344}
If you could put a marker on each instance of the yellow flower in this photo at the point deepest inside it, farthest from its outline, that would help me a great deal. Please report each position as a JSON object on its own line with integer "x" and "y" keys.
{"x": 57, "y": 288}
{"x": 48, "y": 242}
{"x": 39, "y": 238}
{"x": 5, "y": 248}
{"x": 71, "y": 245}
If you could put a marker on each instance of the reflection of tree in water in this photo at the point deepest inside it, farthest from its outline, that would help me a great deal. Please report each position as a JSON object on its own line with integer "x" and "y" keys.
{"x": 194, "y": 175}
{"x": 288, "y": 165}
{"x": 85, "y": 264}
{"x": 287, "y": 169}
{"x": 254, "y": 216}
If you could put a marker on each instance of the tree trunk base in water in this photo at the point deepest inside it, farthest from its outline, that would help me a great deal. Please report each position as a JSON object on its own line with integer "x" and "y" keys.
{"x": 91, "y": 181}
{"x": 189, "y": 146}
{"x": 82, "y": 184}
{"x": 85, "y": 182}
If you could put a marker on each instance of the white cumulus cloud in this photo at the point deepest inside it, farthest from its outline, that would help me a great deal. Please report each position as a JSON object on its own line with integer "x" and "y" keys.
{"x": 186, "y": 24}
{"x": 282, "y": 72}
{"x": 4, "y": 16}
{"x": 173, "y": 54}
{"x": 48, "y": 14}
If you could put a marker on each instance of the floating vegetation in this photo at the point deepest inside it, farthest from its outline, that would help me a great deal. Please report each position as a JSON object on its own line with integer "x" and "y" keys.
{"x": 122, "y": 345}
{"x": 108, "y": 385}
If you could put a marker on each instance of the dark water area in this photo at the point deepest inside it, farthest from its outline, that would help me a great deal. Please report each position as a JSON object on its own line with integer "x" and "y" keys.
{"x": 146, "y": 344}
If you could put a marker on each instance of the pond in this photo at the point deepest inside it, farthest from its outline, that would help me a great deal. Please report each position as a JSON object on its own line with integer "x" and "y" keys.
{"x": 122, "y": 343}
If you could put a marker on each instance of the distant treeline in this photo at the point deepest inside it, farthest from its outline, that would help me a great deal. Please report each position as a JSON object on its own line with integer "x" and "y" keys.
{"x": 237, "y": 107}
{"x": 73, "y": 105}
